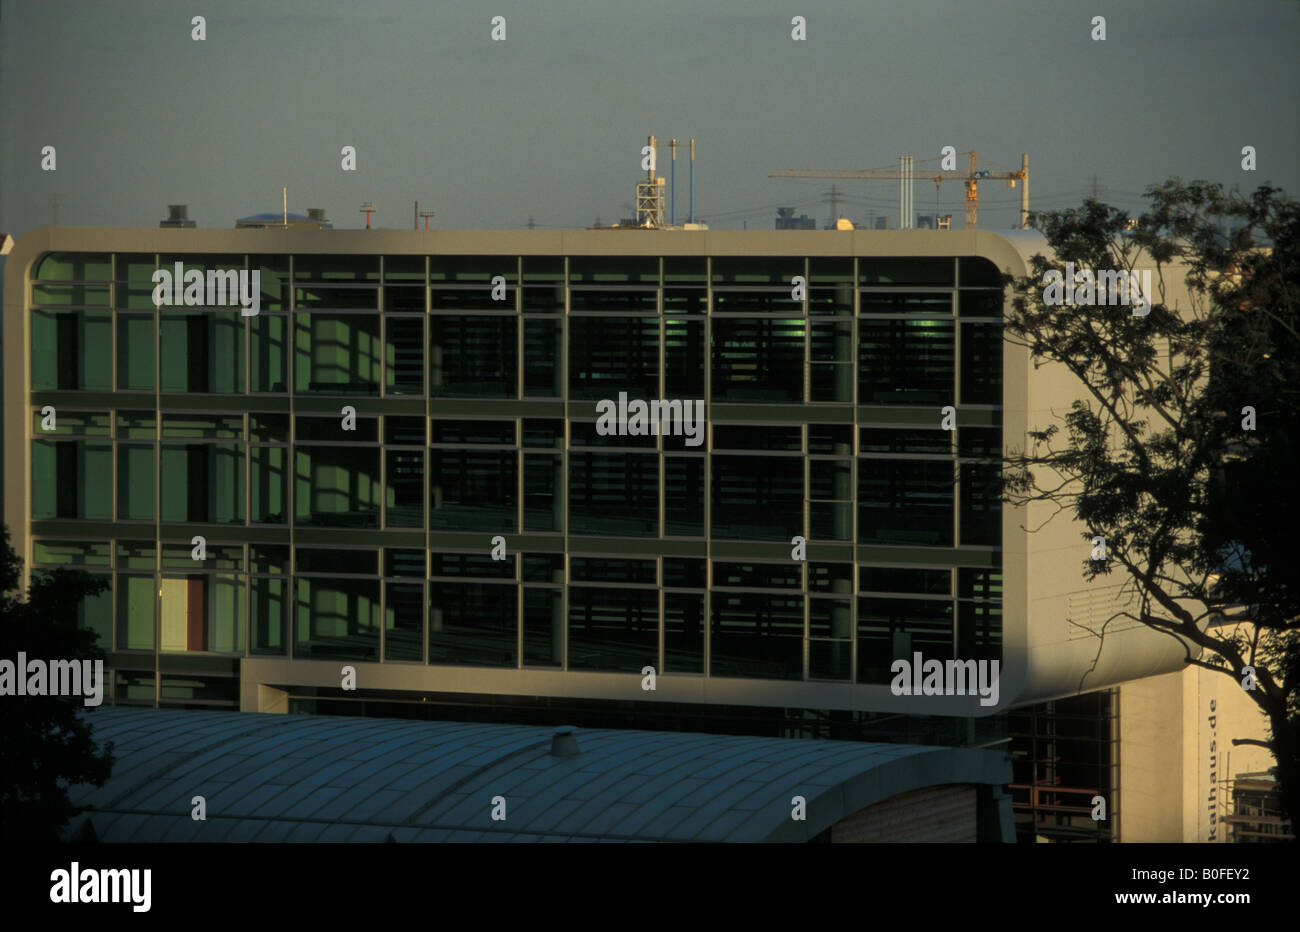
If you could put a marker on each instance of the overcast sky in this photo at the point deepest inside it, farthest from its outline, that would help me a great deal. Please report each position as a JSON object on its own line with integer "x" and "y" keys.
{"x": 549, "y": 123}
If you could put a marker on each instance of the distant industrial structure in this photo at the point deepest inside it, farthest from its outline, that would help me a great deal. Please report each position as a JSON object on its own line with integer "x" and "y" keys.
{"x": 786, "y": 220}
{"x": 905, "y": 174}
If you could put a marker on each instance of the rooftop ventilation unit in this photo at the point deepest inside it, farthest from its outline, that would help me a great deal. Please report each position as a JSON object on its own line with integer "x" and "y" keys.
{"x": 564, "y": 743}
{"x": 177, "y": 217}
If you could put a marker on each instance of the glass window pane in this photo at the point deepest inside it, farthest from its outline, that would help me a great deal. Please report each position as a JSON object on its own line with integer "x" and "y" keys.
{"x": 203, "y": 482}
{"x": 404, "y": 488}
{"x": 202, "y": 613}
{"x": 269, "y": 352}
{"x": 683, "y": 358}
{"x": 472, "y": 623}
{"x": 202, "y": 352}
{"x": 472, "y": 357}
{"x": 905, "y": 502}
{"x": 269, "y": 598}
{"x": 543, "y": 627}
{"x": 472, "y": 490}
{"x": 981, "y": 364}
{"x": 337, "y": 486}
{"x": 135, "y": 351}
{"x": 684, "y": 496}
{"x": 135, "y": 482}
{"x": 905, "y": 361}
{"x": 404, "y": 355}
{"x": 615, "y": 630}
{"x": 337, "y": 353}
{"x": 757, "y": 635}
{"x": 72, "y": 350}
{"x": 543, "y": 492}
{"x": 612, "y": 354}
{"x": 270, "y": 489}
{"x": 758, "y": 360}
{"x": 403, "y": 621}
{"x": 890, "y": 629}
{"x": 757, "y": 498}
{"x": 72, "y": 479}
{"x": 542, "y": 358}
{"x": 905, "y": 271}
{"x": 683, "y": 632}
{"x": 135, "y": 610}
{"x": 336, "y": 618}
{"x": 74, "y": 267}
{"x": 981, "y": 504}
{"x": 614, "y": 493}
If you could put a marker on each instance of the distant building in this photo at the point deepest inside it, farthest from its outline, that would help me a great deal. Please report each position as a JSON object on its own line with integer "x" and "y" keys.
{"x": 786, "y": 220}
{"x": 315, "y": 220}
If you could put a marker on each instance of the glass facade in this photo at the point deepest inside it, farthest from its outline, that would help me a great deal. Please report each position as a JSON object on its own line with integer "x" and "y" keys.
{"x": 349, "y": 454}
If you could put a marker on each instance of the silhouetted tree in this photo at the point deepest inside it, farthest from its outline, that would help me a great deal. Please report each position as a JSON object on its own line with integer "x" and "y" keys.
{"x": 1198, "y": 511}
{"x": 45, "y": 744}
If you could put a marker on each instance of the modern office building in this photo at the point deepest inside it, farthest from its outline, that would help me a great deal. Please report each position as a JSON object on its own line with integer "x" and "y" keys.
{"x": 395, "y": 467}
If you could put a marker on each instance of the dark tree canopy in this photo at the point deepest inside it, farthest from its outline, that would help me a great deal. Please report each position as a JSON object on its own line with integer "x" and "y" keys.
{"x": 1181, "y": 450}
{"x": 45, "y": 743}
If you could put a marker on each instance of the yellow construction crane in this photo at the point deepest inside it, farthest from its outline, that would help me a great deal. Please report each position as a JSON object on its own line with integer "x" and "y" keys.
{"x": 905, "y": 174}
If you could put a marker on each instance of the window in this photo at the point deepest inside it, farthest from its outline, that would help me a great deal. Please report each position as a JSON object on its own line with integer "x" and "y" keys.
{"x": 202, "y": 352}
{"x": 905, "y": 502}
{"x": 72, "y": 479}
{"x": 683, "y": 358}
{"x": 981, "y": 364}
{"x": 404, "y": 355}
{"x": 337, "y": 486}
{"x": 135, "y": 361}
{"x": 614, "y": 493}
{"x": 757, "y": 497}
{"x": 404, "y": 614}
{"x": 612, "y": 354}
{"x": 472, "y": 357}
{"x": 613, "y": 629}
{"x": 893, "y": 629}
{"x": 981, "y": 504}
{"x": 542, "y": 342}
{"x": 337, "y": 353}
{"x": 757, "y": 635}
{"x": 71, "y": 350}
{"x": 905, "y": 361}
{"x": 404, "y": 488}
{"x": 202, "y": 482}
{"x": 758, "y": 360}
{"x": 270, "y": 356}
{"x": 473, "y": 490}
{"x": 543, "y": 492}
{"x": 336, "y": 618}
{"x": 135, "y": 481}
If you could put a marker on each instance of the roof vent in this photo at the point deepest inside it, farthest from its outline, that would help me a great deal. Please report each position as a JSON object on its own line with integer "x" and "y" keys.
{"x": 177, "y": 216}
{"x": 315, "y": 213}
{"x": 564, "y": 743}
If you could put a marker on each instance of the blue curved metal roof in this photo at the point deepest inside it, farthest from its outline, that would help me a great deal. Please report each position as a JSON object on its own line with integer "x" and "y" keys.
{"x": 327, "y": 778}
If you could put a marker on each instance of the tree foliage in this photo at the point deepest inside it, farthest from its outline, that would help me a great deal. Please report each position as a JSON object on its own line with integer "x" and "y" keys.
{"x": 1198, "y": 511}
{"x": 45, "y": 741}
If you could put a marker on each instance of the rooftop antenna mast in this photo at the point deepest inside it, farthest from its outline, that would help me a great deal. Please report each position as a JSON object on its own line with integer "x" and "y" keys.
{"x": 368, "y": 208}
{"x": 426, "y": 214}
{"x": 672, "y": 185}
{"x": 285, "y": 191}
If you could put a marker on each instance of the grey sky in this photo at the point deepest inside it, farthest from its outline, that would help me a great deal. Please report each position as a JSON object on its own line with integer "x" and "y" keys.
{"x": 550, "y": 122}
